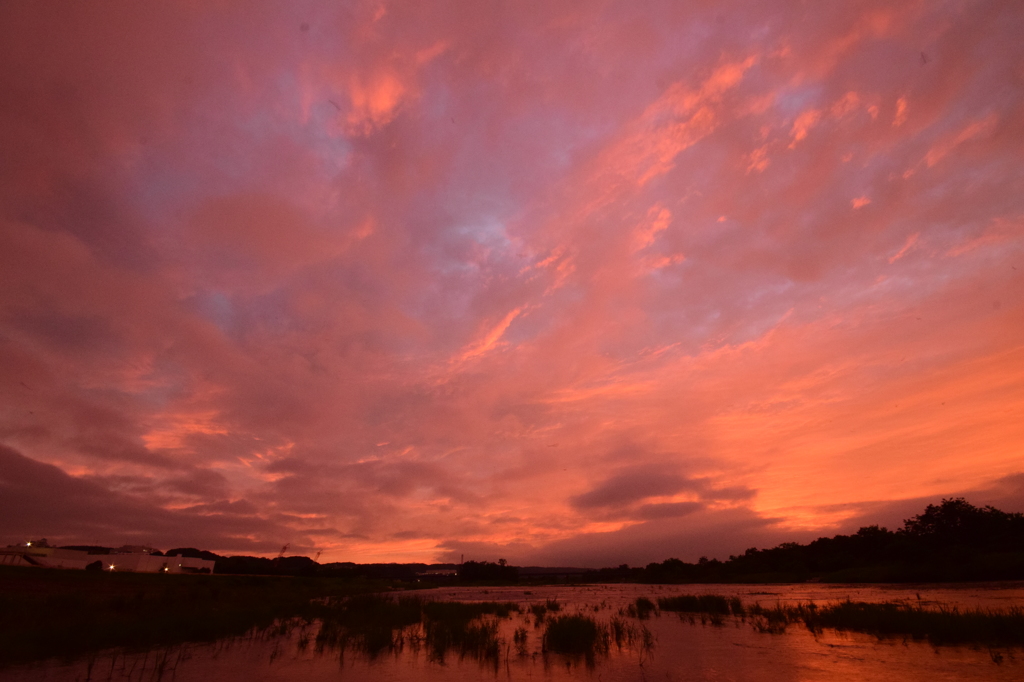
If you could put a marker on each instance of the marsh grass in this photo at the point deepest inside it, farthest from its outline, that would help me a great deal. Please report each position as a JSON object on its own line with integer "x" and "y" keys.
{"x": 770, "y": 621}
{"x": 946, "y": 625}
{"x": 75, "y": 614}
{"x": 620, "y": 631}
{"x": 576, "y": 635}
{"x": 460, "y": 628}
{"x": 631, "y": 635}
{"x": 540, "y": 611}
{"x": 477, "y": 640}
{"x": 641, "y": 608}
{"x": 372, "y": 624}
{"x": 520, "y": 638}
{"x": 378, "y": 624}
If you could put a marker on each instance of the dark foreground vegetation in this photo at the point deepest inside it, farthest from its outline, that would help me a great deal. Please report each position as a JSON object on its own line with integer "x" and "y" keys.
{"x": 69, "y": 614}
{"x": 52, "y": 613}
{"x": 379, "y": 624}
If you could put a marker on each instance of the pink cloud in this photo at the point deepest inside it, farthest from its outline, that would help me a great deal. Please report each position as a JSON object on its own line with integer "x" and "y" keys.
{"x": 911, "y": 241}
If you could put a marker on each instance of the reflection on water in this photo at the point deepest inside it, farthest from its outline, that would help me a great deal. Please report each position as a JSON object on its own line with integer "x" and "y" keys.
{"x": 636, "y": 642}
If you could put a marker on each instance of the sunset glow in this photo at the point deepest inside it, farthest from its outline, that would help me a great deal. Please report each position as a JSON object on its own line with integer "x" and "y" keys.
{"x": 564, "y": 283}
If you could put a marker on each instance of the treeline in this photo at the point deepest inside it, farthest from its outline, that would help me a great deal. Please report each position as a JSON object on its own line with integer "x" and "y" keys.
{"x": 468, "y": 572}
{"x": 304, "y": 566}
{"x": 951, "y": 541}
{"x": 487, "y": 572}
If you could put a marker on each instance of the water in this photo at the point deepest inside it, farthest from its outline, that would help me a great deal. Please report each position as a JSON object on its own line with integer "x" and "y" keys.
{"x": 681, "y": 650}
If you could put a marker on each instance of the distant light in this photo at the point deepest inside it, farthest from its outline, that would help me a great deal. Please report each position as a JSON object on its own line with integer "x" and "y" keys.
{"x": 28, "y": 544}
{"x": 111, "y": 567}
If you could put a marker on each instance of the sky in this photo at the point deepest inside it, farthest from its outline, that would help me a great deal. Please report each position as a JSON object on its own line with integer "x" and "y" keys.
{"x": 566, "y": 283}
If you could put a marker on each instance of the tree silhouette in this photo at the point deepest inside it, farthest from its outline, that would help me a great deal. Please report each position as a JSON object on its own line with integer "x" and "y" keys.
{"x": 957, "y": 522}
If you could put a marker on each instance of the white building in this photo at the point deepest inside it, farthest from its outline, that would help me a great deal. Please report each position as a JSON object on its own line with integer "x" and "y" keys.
{"x": 152, "y": 563}
{"x": 131, "y": 561}
{"x": 44, "y": 557}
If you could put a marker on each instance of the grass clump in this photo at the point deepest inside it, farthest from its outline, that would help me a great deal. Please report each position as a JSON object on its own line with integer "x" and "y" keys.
{"x": 466, "y": 638}
{"x": 539, "y": 611}
{"x": 773, "y": 620}
{"x": 577, "y": 635}
{"x": 377, "y": 623}
{"x": 371, "y": 623}
{"x": 520, "y": 638}
{"x": 948, "y": 625}
{"x": 625, "y": 633}
{"x": 641, "y": 608}
{"x": 461, "y": 628}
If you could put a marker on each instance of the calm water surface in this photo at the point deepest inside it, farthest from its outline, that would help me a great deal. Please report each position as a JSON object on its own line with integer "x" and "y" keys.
{"x": 681, "y": 651}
